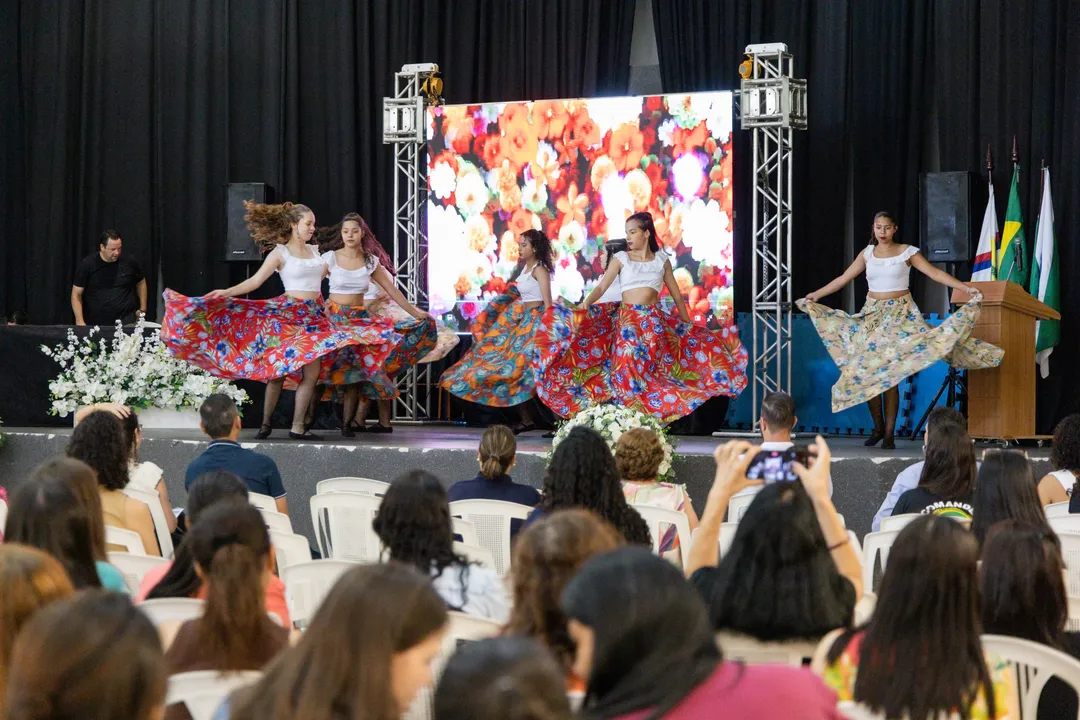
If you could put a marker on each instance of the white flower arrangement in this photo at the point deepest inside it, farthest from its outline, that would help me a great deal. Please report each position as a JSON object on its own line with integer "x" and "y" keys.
{"x": 136, "y": 370}
{"x": 611, "y": 421}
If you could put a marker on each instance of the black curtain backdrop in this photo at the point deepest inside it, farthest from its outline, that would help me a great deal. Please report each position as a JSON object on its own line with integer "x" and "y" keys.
{"x": 897, "y": 88}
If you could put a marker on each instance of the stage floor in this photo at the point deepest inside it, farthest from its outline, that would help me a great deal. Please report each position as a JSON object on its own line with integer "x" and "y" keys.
{"x": 861, "y": 476}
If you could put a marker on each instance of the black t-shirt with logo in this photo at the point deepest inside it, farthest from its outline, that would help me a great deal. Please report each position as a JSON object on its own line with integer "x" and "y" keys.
{"x": 108, "y": 288}
{"x": 921, "y": 500}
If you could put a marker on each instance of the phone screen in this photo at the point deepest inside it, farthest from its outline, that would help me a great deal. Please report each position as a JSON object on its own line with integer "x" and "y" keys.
{"x": 775, "y": 465}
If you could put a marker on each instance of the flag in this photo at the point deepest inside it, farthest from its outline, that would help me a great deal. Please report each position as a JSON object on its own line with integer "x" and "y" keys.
{"x": 1044, "y": 278}
{"x": 983, "y": 269}
{"x": 1012, "y": 262}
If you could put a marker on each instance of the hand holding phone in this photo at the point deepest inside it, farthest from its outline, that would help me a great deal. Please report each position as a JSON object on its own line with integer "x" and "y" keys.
{"x": 776, "y": 465}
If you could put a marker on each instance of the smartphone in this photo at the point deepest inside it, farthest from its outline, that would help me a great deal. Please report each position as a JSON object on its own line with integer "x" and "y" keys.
{"x": 775, "y": 465}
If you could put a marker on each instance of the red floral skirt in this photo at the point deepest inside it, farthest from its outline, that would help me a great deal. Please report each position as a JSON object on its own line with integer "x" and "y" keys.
{"x": 638, "y": 356}
{"x": 262, "y": 339}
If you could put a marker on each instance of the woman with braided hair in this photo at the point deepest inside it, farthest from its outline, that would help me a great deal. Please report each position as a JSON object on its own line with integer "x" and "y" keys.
{"x": 269, "y": 340}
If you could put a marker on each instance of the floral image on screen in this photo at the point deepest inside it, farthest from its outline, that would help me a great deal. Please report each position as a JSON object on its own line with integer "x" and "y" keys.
{"x": 576, "y": 169}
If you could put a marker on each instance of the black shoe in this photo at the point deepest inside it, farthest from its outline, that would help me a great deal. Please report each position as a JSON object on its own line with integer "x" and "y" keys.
{"x": 379, "y": 429}
{"x": 518, "y": 429}
{"x": 264, "y": 432}
{"x": 347, "y": 432}
{"x": 362, "y": 427}
{"x": 888, "y": 444}
{"x": 304, "y": 436}
{"x": 874, "y": 439}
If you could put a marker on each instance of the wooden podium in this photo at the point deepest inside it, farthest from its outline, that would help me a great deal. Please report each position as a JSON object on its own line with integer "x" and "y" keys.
{"x": 1001, "y": 400}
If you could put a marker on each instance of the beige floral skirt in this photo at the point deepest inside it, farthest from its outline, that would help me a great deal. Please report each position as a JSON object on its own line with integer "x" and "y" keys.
{"x": 888, "y": 340}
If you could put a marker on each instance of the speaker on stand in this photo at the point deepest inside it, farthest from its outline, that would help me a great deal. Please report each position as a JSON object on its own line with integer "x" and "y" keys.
{"x": 239, "y": 246}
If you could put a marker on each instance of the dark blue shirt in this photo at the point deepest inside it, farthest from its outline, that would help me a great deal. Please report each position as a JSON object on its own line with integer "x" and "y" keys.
{"x": 259, "y": 472}
{"x": 501, "y": 488}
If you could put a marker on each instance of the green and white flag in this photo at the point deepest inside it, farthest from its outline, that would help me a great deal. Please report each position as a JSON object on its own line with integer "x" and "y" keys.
{"x": 1045, "y": 284}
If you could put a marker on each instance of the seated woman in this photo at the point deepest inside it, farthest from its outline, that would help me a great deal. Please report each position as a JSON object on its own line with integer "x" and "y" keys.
{"x": 1057, "y": 486}
{"x": 920, "y": 654}
{"x": 414, "y": 525}
{"x": 638, "y": 457}
{"x": 646, "y": 648}
{"x": 231, "y": 548}
{"x": 99, "y": 442}
{"x": 1005, "y": 490}
{"x": 947, "y": 481}
{"x": 497, "y": 455}
{"x": 546, "y": 556}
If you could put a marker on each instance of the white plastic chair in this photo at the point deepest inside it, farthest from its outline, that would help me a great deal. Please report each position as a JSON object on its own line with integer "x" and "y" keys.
{"x": 342, "y": 523}
{"x": 466, "y": 530}
{"x": 865, "y": 608}
{"x": 134, "y": 567}
{"x": 263, "y": 502}
{"x": 1064, "y": 523}
{"x": 1057, "y": 509}
{"x": 854, "y": 540}
{"x": 290, "y": 549}
{"x": 737, "y": 646}
{"x": 1035, "y": 664}
{"x": 362, "y": 486}
{"x": 169, "y": 610}
{"x": 204, "y": 690}
{"x": 3, "y": 515}
{"x": 157, "y": 513}
{"x": 492, "y": 520}
{"x": 278, "y": 522}
{"x": 127, "y": 539}
{"x": 898, "y": 522}
{"x": 1070, "y": 554}
{"x": 476, "y": 554}
{"x": 875, "y": 544}
{"x": 658, "y": 519}
{"x": 307, "y": 584}
{"x": 740, "y": 501}
{"x": 727, "y": 536}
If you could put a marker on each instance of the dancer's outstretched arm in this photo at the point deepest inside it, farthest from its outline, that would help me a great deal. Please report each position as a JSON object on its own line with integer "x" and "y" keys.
{"x": 382, "y": 279}
{"x": 270, "y": 264}
{"x": 940, "y": 276}
{"x": 854, "y": 270}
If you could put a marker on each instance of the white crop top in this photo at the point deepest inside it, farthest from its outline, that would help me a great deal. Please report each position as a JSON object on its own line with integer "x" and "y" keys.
{"x": 300, "y": 274}
{"x": 634, "y": 274}
{"x": 350, "y": 282}
{"x": 528, "y": 286}
{"x": 888, "y": 274}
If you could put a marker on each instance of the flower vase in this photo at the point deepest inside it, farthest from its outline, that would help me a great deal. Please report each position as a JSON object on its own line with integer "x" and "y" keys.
{"x": 168, "y": 418}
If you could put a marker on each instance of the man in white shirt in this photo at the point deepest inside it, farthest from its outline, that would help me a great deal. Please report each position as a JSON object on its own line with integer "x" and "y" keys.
{"x": 908, "y": 479}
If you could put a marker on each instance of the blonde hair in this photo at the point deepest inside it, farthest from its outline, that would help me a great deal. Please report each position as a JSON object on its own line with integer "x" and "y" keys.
{"x": 271, "y": 225}
{"x": 498, "y": 448}
{"x": 638, "y": 454}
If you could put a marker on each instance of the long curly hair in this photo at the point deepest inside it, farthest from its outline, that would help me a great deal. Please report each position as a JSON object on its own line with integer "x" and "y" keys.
{"x": 329, "y": 238}
{"x": 271, "y": 225}
{"x": 541, "y": 246}
{"x": 414, "y": 525}
{"x": 100, "y": 442}
{"x": 1065, "y": 454}
{"x": 582, "y": 474}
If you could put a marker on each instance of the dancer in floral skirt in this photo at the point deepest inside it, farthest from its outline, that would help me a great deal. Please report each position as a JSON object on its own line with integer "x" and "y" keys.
{"x": 356, "y": 263}
{"x": 498, "y": 369}
{"x": 268, "y": 340}
{"x": 648, "y": 359}
{"x": 888, "y": 340}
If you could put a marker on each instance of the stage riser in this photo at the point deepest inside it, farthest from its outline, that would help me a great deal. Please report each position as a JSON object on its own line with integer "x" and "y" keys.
{"x": 859, "y": 484}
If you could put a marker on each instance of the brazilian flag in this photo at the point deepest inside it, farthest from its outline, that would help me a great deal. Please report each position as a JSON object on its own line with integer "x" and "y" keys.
{"x": 1012, "y": 260}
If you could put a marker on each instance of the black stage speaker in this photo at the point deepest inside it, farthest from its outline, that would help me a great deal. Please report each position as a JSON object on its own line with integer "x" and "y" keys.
{"x": 945, "y": 222}
{"x": 239, "y": 247}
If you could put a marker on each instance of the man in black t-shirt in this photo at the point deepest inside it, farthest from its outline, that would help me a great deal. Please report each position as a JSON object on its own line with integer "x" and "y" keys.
{"x": 108, "y": 287}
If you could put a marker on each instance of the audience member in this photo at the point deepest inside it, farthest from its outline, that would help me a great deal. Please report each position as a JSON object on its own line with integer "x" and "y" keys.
{"x": 1005, "y": 490}
{"x": 367, "y": 653}
{"x": 48, "y": 512}
{"x": 94, "y": 656}
{"x": 920, "y": 653}
{"x": 908, "y": 479}
{"x": 1065, "y": 457}
{"x": 582, "y": 474}
{"x": 414, "y": 525}
{"x": 644, "y": 643}
{"x": 99, "y": 442}
{"x": 948, "y": 477}
{"x": 638, "y": 456}
{"x": 231, "y": 549}
{"x": 497, "y": 456}
{"x": 506, "y": 678}
{"x": 790, "y": 547}
{"x": 220, "y": 419}
{"x": 17, "y": 317}
{"x": 546, "y": 557}
{"x": 29, "y": 580}
{"x": 1023, "y": 595}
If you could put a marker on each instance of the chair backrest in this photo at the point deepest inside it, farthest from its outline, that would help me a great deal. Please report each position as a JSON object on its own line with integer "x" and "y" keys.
{"x": 476, "y": 554}
{"x": 658, "y": 519}
{"x": 1064, "y": 523}
{"x": 737, "y": 646}
{"x": 362, "y": 486}
{"x": 1073, "y": 624}
{"x": 492, "y": 520}
{"x": 1056, "y": 509}
{"x": 727, "y": 535}
{"x": 1035, "y": 664}
{"x": 306, "y": 584}
{"x": 1070, "y": 553}
{"x": 276, "y": 521}
{"x": 466, "y": 530}
{"x": 343, "y": 526}
{"x": 854, "y": 540}
{"x": 157, "y": 513}
{"x": 263, "y": 502}
{"x": 127, "y": 539}
{"x": 897, "y": 522}
{"x": 875, "y": 544}
{"x": 203, "y": 691}
{"x": 290, "y": 549}
{"x": 134, "y": 567}
{"x": 739, "y": 502}
{"x": 865, "y": 608}
{"x": 178, "y": 610}
{"x": 3, "y": 515}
